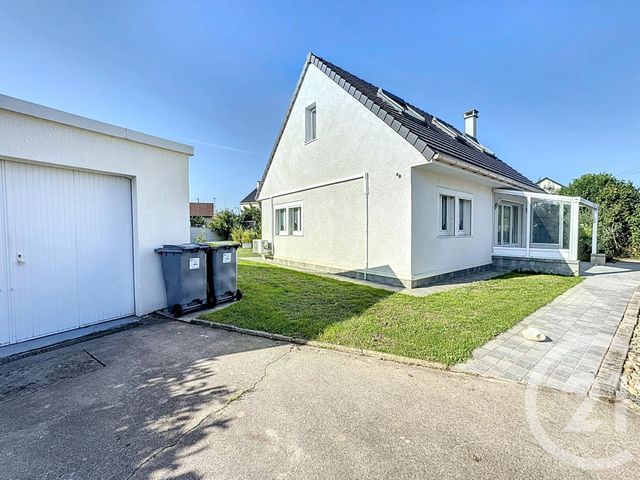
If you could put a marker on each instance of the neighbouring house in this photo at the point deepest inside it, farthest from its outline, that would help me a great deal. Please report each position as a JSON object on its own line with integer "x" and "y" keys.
{"x": 363, "y": 183}
{"x": 251, "y": 200}
{"x": 203, "y": 210}
{"x": 549, "y": 185}
{"x": 83, "y": 204}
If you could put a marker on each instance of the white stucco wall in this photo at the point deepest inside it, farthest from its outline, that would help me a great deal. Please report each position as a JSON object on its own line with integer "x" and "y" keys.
{"x": 160, "y": 184}
{"x": 351, "y": 141}
{"x": 550, "y": 186}
{"x": 434, "y": 254}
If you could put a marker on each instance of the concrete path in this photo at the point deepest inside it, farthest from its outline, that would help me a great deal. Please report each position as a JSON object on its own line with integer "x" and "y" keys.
{"x": 580, "y": 324}
{"x": 176, "y": 401}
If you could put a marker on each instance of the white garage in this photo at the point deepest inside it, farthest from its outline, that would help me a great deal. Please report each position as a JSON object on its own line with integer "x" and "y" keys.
{"x": 82, "y": 206}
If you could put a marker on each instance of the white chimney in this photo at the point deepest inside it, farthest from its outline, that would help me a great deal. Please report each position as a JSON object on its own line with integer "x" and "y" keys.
{"x": 258, "y": 185}
{"x": 470, "y": 120}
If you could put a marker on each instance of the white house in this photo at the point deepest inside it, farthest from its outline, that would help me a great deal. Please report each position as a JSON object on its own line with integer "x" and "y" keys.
{"x": 549, "y": 185}
{"x": 251, "y": 200}
{"x": 363, "y": 183}
{"x": 83, "y": 204}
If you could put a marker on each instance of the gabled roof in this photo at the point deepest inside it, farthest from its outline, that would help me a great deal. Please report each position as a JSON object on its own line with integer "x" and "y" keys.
{"x": 550, "y": 179}
{"x": 251, "y": 198}
{"x": 421, "y": 129}
{"x": 198, "y": 209}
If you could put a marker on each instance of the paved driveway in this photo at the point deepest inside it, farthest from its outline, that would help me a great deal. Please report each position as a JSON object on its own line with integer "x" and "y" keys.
{"x": 171, "y": 400}
{"x": 580, "y": 325}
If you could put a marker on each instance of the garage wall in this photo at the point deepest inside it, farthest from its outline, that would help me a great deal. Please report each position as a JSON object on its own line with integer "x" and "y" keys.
{"x": 160, "y": 185}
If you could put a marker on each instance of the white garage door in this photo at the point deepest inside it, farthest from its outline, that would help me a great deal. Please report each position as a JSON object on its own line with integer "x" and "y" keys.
{"x": 66, "y": 255}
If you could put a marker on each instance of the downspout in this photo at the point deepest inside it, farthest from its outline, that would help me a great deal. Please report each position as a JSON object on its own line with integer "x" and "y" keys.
{"x": 273, "y": 226}
{"x": 366, "y": 223}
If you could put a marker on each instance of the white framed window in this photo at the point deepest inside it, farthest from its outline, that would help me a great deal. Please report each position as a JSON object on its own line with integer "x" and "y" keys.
{"x": 310, "y": 126}
{"x": 281, "y": 221}
{"x": 295, "y": 220}
{"x": 546, "y": 223}
{"x": 447, "y": 214}
{"x": 464, "y": 216}
{"x": 455, "y": 213}
{"x": 508, "y": 224}
{"x": 289, "y": 218}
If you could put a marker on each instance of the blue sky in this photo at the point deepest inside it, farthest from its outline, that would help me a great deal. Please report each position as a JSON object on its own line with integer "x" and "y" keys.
{"x": 557, "y": 83}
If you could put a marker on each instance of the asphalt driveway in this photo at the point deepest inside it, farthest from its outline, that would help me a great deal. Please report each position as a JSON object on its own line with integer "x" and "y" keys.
{"x": 172, "y": 400}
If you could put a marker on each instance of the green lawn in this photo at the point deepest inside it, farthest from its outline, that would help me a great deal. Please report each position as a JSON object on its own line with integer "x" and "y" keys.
{"x": 444, "y": 327}
{"x": 246, "y": 252}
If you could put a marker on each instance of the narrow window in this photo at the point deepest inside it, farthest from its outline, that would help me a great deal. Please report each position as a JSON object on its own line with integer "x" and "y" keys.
{"x": 281, "y": 221}
{"x": 447, "y": 214}
{"x": 508, "y": 225}
{"x": 515, "y": 229}
{"x": 499, "y": 216}
{"x": 310, "y": 130}
{"x": 295, "y": 220}
{"x": 464, "y": 216}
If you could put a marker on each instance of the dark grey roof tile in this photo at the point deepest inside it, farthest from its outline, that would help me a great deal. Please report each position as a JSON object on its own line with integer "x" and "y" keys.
{"x": 428, "y": 135}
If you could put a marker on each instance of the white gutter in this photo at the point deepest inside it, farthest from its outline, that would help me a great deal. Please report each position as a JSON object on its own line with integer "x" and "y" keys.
{"x": 548, "y": 196}
{"x": 364, "y": 176}
{"x": 448, "y": 159}
{"x": 366, "y": 224}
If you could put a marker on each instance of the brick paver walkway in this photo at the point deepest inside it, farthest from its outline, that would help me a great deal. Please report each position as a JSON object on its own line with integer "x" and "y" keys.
{"x": 580, "y": 325}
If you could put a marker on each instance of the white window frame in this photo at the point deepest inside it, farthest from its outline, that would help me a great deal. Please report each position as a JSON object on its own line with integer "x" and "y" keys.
{"x": 554, "y": 246}
{"x": 278, "y": 232}
{"x": 310, "y": 123}
{"x": 290, "y": 213}
{"x": 454, "y": 232}
{"x": 288, "y": 207}
{"x": 500, "y": 211}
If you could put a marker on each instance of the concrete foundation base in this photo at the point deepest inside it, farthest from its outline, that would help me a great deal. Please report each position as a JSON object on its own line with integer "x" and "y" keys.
{"x": 598, "y": 259}
{"x": 541, "y": 265}
{"x": 380, "y": 277}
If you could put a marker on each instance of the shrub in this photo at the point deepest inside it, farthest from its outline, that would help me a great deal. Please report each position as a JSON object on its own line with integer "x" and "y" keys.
{"x": 196, "y": 221}
{"x": 243, "y": 235}
{"x": 201, "y": 237}
{"x": 251, "y": 218}
{"x": 223, "y": 223}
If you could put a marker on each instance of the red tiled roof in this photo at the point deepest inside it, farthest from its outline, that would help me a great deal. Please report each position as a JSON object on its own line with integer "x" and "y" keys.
{"x": 197, "y": 209}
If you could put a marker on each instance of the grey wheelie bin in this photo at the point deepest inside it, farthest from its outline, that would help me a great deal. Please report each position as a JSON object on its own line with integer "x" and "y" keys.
{"x": 184, "y": 269}
{"x": 222, "y": 272}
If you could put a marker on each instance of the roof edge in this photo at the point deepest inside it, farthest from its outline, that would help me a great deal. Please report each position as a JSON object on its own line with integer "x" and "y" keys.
{"x": 461, "y": 164}
{"x": 387, "y": 118}
{"x": 286, "y": 119}
{"x": 419, "y": 144}
{"x": 24, "y": 107}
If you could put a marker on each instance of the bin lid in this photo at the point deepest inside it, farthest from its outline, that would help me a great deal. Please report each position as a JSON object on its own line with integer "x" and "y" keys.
{"x": 185, "y": 247}
{"x": 216, "y": 245}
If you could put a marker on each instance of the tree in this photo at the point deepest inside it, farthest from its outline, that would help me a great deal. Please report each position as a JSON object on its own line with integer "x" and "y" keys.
{"x": 223, "y": 223}
{"x": 251, "y": 218}
{"x": 619, "y": 215}
{"x": 196, "y": 221}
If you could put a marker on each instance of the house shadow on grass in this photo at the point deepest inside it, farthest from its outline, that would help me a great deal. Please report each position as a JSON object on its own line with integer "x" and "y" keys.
{"x": 297, "y": 303}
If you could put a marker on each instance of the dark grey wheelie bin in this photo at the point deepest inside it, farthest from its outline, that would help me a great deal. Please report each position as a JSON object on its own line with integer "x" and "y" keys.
{"x": 222, "y": 272}
{"x": 184, "y": 268}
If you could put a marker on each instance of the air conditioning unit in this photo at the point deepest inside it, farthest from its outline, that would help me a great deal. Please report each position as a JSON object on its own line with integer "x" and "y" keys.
{"x": 261, "y": 247}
